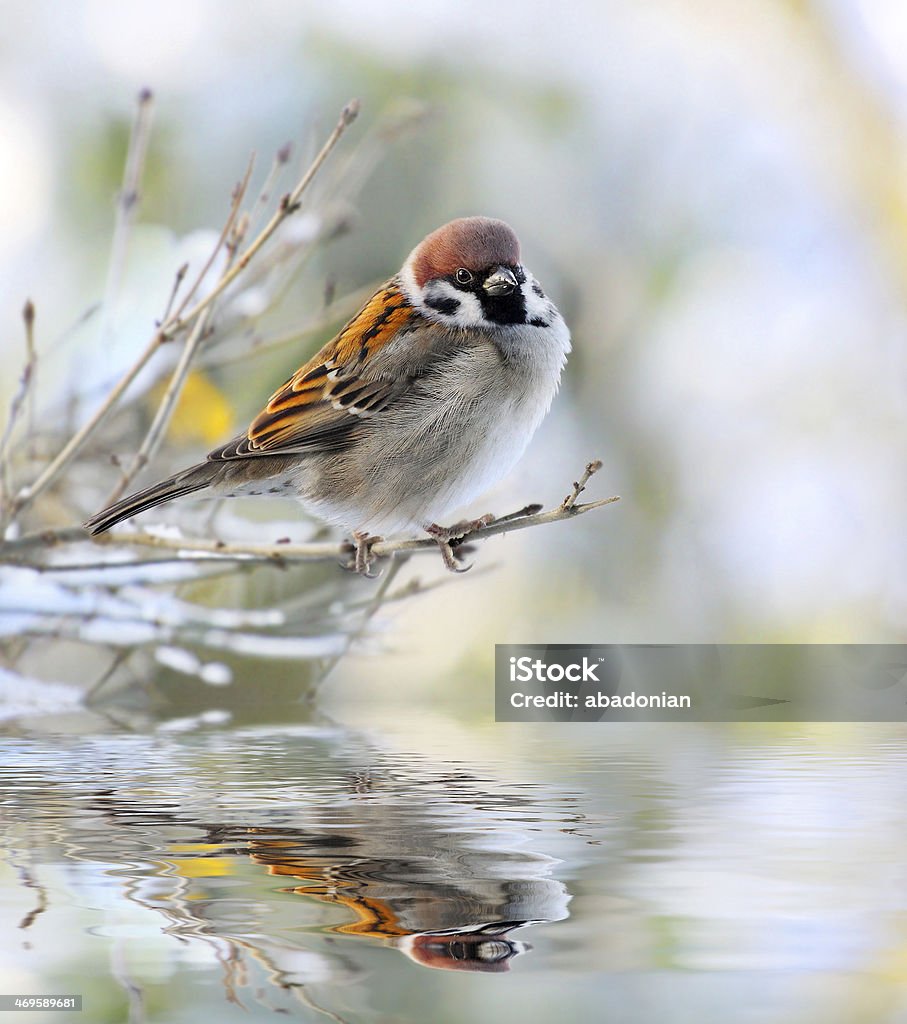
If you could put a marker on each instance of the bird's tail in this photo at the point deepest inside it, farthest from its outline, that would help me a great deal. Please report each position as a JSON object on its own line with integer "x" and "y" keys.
{"x": 194, "y": 479}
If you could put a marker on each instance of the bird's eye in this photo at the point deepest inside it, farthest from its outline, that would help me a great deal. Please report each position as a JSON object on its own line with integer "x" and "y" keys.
{"x": 463, "y": 276}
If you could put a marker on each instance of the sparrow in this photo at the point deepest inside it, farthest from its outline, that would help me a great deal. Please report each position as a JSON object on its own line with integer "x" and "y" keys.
{"x": 423, "y": 401}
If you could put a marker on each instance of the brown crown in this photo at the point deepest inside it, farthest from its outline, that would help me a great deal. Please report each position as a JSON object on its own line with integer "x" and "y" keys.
{"x": 475, "y": 243}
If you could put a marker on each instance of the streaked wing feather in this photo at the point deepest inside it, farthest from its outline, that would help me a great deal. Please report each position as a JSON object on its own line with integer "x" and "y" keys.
{"x": 320, "y": 406}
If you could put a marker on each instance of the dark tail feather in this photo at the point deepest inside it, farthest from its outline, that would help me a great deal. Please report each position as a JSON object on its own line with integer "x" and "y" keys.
{"x": 194, "y": 479}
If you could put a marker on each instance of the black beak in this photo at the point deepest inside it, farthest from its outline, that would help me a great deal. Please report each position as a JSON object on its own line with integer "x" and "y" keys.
{"x": 501, "y": 282}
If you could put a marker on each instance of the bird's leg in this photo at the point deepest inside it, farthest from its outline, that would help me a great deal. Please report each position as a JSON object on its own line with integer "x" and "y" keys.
{"x": 361, "y": 562}
{"x": 447, "y": 537}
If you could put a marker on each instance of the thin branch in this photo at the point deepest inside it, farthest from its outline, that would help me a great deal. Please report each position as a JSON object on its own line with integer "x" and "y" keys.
{"x": 569, "y": 503}
{"x": 409, "y": 589}
{"x": 177, "y": 284}
{"x": 340, "y": 309}
{"x": 125, "y": 216}
{"x": 23, "y": 397}
{"x": 90, "y": 695}
{"x": 31, "y": 371}
{"x": 288, "y": 205}
{"x": 505, "y": 524}
{"x": 368, "y": 613}
{"x": 238, "y": 193}
{"x": 179, "y": 321}
{"x": 105, "y": 564}
{"x": 280, "y": 554}
{"x": 164, "y": 412}
{"x": 278, "y": 165}
{"x": 370, "y": 150}
{"x": 10, "y": 549}
{"x": 127, "y": 204}
{"x": 67, "y": 454}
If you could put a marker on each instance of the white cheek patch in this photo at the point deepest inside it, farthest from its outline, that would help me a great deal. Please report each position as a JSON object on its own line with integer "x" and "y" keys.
{"x": 437, "y": 299}
{"x": 538, "y": 307}
{"x": 442, "y": 301}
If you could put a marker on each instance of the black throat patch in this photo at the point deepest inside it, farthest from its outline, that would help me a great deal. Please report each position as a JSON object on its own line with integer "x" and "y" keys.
{"x": 503, "y": 309}
{"x": 497, "y": 309}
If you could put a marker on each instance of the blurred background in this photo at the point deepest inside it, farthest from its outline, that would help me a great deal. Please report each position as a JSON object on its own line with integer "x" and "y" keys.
{"x": 715, "y": 195}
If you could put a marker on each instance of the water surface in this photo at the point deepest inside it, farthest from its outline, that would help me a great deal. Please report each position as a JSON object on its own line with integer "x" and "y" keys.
{"x": 627, "y": 873}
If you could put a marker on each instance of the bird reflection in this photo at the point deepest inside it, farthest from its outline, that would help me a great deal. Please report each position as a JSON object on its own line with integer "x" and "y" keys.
{"x": 439, "y": 914}
{"x": 445, "y": 882}
{"x": 299, "y": 870}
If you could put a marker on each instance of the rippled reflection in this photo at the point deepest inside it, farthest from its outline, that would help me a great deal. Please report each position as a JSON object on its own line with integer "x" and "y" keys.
{"x": 275, "y": 849}
{"x": 426, "y": 892}
{"x": 672, "y": 874}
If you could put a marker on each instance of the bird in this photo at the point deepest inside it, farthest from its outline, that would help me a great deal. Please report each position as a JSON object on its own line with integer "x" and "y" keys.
{"x": 424, "y": 400}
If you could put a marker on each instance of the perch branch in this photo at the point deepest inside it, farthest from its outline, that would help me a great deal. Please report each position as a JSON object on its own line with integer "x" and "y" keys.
{"x": 327, "y": 551}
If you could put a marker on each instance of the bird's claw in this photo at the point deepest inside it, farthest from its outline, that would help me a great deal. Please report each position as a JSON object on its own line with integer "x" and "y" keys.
{"x": 446, "y": 537}
{"x": 361, "y": 549}
{"x": 451, "y": 563}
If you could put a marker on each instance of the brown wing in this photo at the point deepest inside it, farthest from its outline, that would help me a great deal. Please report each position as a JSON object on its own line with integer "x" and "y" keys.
{"x": 321, "y": 405}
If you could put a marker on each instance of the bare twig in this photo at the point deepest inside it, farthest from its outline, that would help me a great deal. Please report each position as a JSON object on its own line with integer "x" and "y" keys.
{"x": 288, "y": 205}
{"x": 11, "y": 549}
{"x": 23, "y": 396}
{"x": 521, "y": 513}
{"x": 569, "y": 503}
{"x": 125, "y": 216}
{"x": 370, "y": 150}
{"x": 177, "y": 283}
{"x": 31, "y": 369}
{"x": 92, "y": 692}
{"x": 164, "y": 412}
{"x": 278, "y": 165}
{"x": 368, "y": 613}
{"x": 358, "y": 164}
{"x": 325, "y": 551}
{"x": 180, "y": 321}
{"x": 107, "y": 564}
{"x": 235, "y": 202}
{"x": 127, "y": 204}
{"x": 340, "y": 309}
{"x": 70, "y": 450}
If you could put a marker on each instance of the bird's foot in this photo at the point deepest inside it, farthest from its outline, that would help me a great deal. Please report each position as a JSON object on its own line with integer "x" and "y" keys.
{"x": 449, "y": 538}
{"x": 361, "y": 550}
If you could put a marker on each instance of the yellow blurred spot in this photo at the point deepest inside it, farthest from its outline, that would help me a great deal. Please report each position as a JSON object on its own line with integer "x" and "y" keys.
{"x": 202, "y": 413}
{"x": 202, "y": 867}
